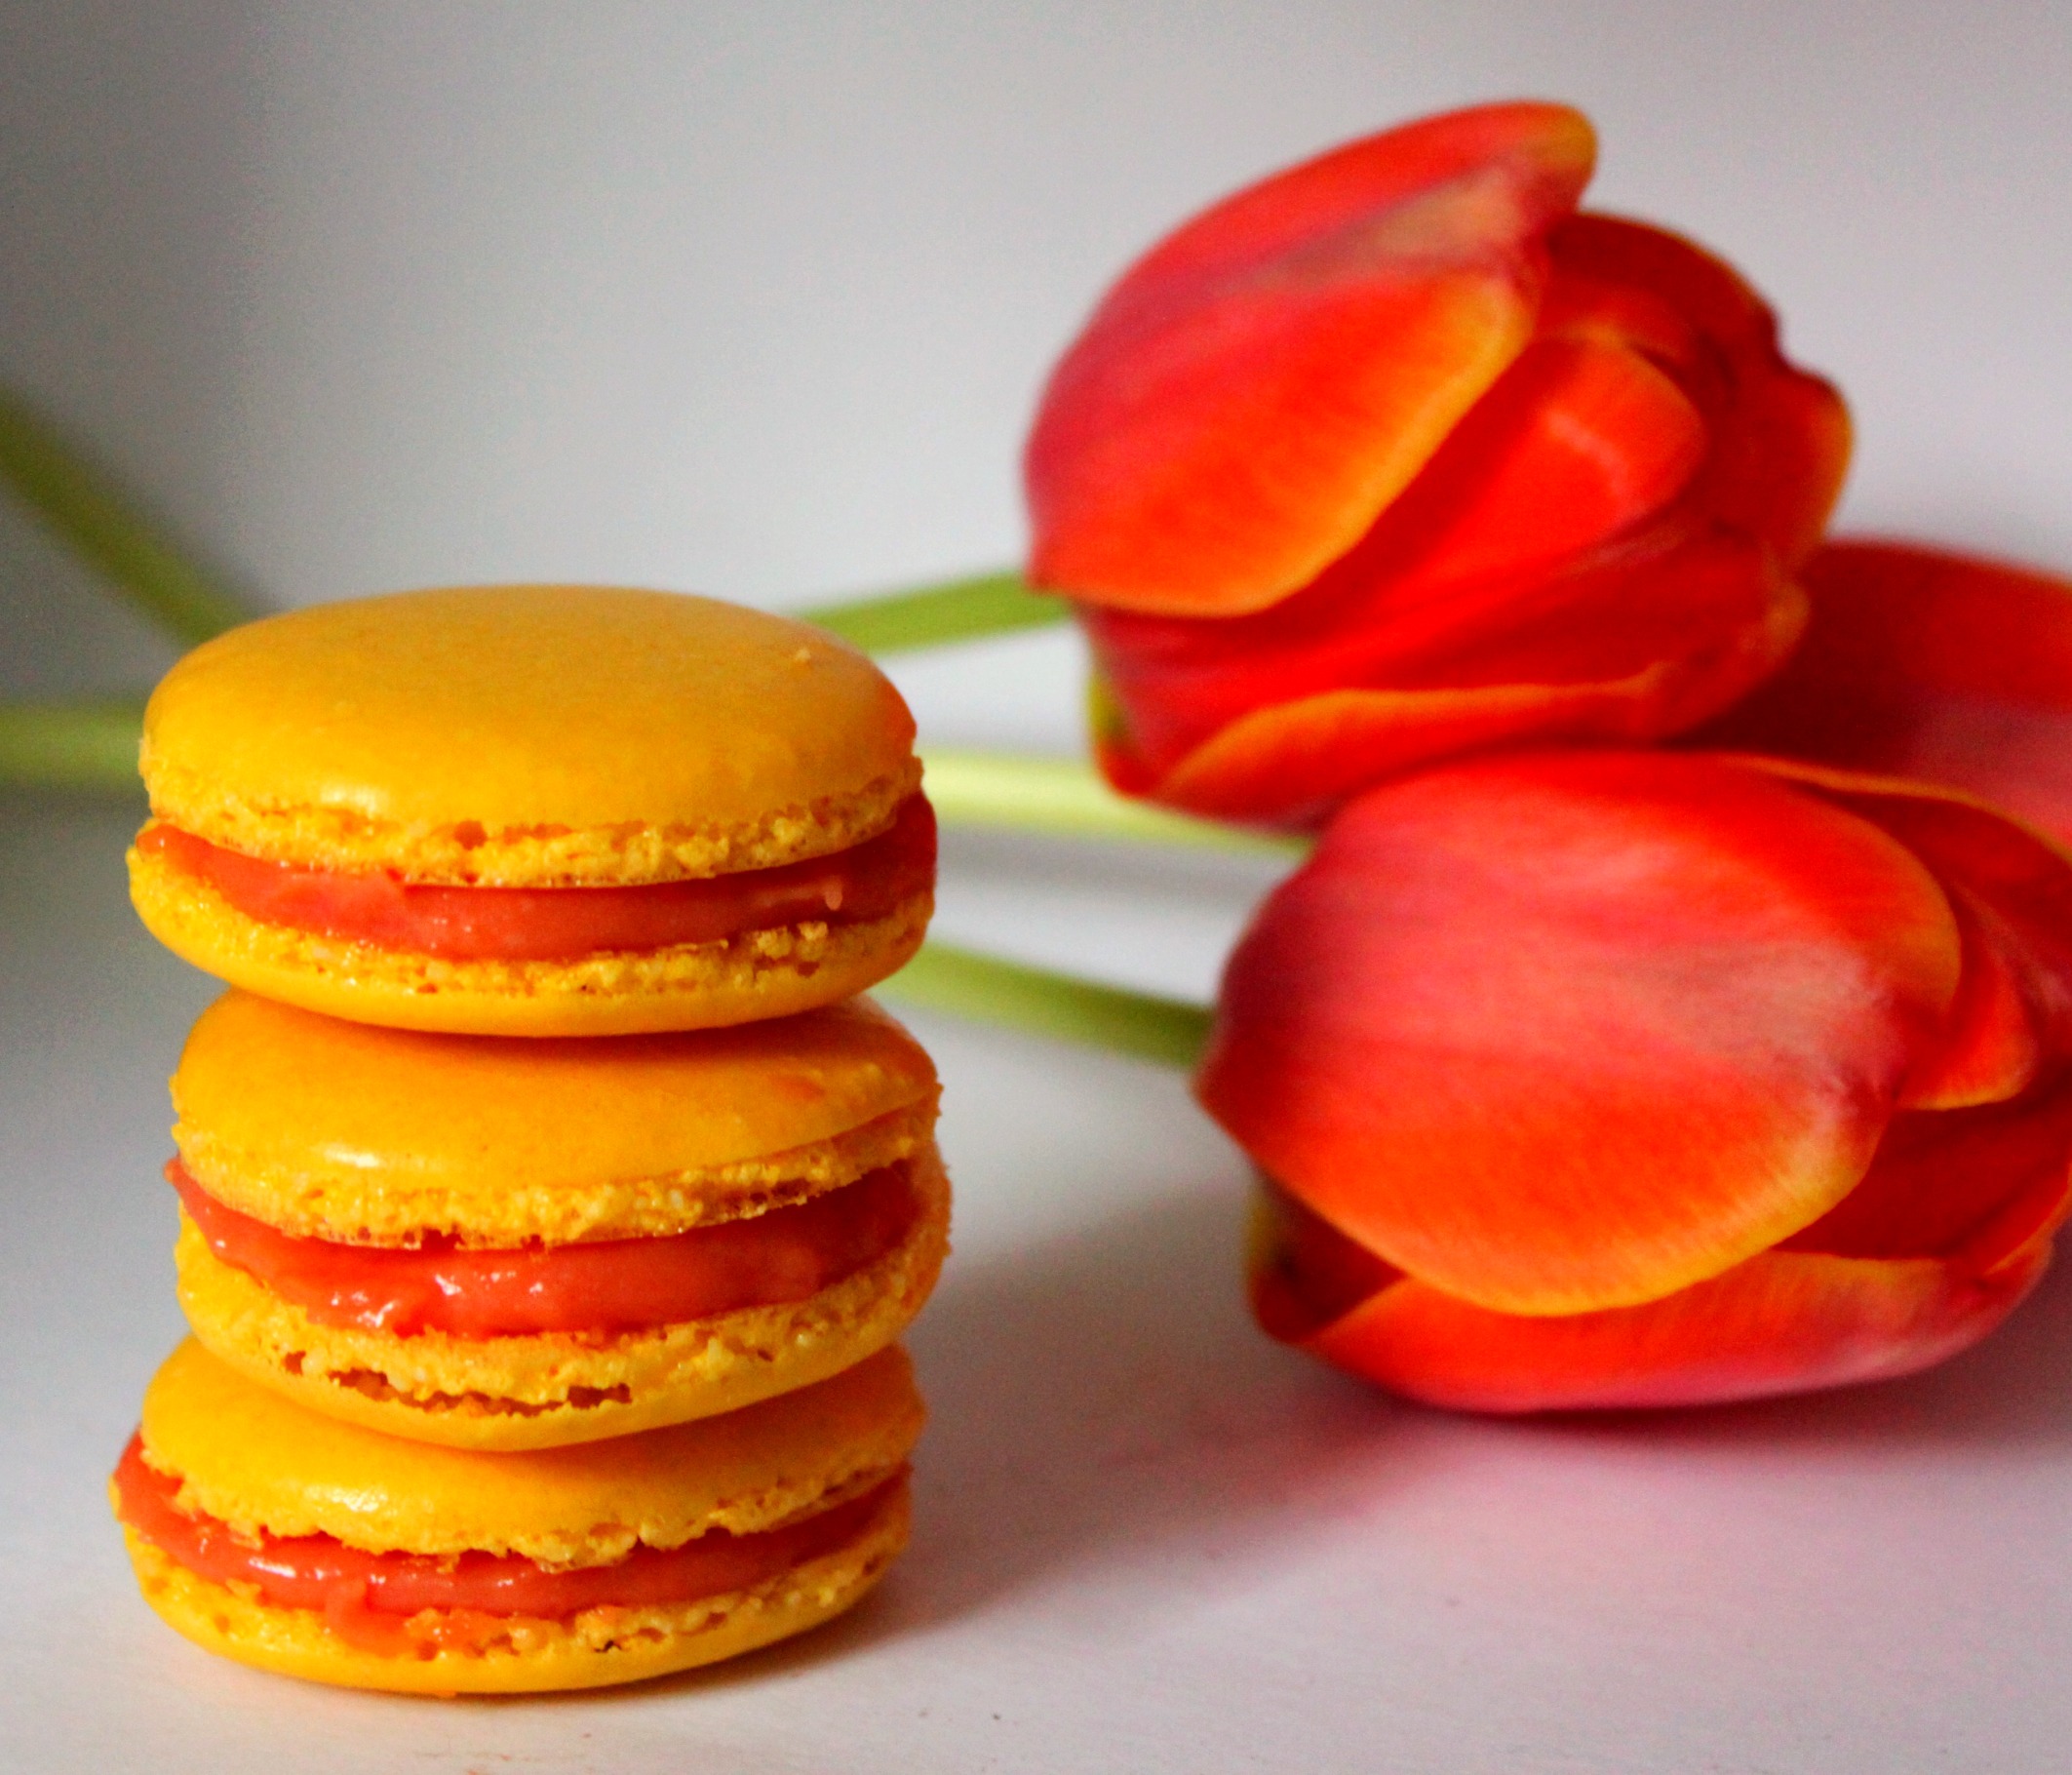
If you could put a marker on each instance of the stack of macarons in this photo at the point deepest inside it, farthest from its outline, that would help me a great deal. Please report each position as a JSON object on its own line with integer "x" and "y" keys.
{"x": 550, "y": 1207}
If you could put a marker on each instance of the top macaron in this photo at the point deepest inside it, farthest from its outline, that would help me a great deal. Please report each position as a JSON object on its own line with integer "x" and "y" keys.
{"x": 535, "y": 810}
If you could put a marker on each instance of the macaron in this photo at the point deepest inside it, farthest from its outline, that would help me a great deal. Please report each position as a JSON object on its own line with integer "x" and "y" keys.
{"x": 291, "y": 1541}
{"x": 535, "y": 810}
{"x": 516, "y": 1245}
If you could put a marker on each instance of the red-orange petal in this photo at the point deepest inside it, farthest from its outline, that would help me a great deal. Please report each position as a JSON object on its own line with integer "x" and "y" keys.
{"x": 1301, "y": 1272}
{"x": 1969, "y": 1186}
{"x": 1594, "y": 255}
{"x": 1258, "y": 387}
{"x": 1780, "y": 435}
{"x": 1561, "y": 1032}
{"x": 1992, "y": 1047}
{"x": 2016, "y": 881}
{"x": 1777, "y": 469}
{"x": 1627, "y": 651}
{"x": 1927, "y": 665}
{"x": 1579, "y": 441}
{"x": 1290, "y": 765}
{"x": 1782, "y": 1323}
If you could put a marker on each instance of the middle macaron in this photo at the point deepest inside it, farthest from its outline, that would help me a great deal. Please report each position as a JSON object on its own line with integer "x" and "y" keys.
{"x": 517, "y": 1244}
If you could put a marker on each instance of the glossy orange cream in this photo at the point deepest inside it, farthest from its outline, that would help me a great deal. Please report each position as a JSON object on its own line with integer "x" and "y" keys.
{"x": 464, "y": 923}
{"x": 785, "y": 1255}
{"x": 370, "y": 1598}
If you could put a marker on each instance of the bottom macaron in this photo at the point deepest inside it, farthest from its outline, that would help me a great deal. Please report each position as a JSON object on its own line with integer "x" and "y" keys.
{"x": 296, "y": 1543}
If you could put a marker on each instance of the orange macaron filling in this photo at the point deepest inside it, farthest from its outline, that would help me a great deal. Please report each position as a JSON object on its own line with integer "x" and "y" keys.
{"x": 377, "y": 1600}
{"x": 775, "y": 1258}
{"x": 471, "y": 924}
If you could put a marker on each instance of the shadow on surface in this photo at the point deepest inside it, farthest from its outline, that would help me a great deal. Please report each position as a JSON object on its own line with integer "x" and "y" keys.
{"x": 1097, "y": 1401}
{"x": 1102, "y": 1400}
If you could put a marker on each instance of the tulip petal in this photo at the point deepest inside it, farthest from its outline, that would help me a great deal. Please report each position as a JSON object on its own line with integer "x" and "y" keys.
{"x": 1562, "y": 1032}
{"x": 1780, "y": 471}
{"x": 2012, "y": 892}
{"x": 1929, "y": 665}
{"x": 1301, "y": 1271}
{"x": 1303, "y": 708}
{"x": 1576, "y": 443}
{"x": 1991, "y": 1048}
{"x": 1705, "y": 623}
{"x": 1257, "y": 388}
{"x": 2015, "y": 883}
{"x": 1289, "y": 766}
{"x": 1782, "y": 1323}
{"x": 1971, "y": 1186}
{"x": 1781, "y": 438}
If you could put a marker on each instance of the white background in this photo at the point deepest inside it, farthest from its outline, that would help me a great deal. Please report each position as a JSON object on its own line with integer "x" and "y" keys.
{"x": 755, "y": 299}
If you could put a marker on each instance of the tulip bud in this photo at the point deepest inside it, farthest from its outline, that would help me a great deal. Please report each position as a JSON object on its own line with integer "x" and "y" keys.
{"x": 1394, "y": 456}
{"x": 1609, "y": 1078}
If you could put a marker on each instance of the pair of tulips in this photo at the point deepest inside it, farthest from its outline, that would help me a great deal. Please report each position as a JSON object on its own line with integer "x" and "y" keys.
{"x": 1666, "y": 1013}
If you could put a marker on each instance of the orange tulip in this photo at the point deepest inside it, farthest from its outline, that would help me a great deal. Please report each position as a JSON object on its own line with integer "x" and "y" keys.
{"x": 1603, "y": 1077}
{"x": 1394, "y": 456}
{"x": 1927, "y": 665}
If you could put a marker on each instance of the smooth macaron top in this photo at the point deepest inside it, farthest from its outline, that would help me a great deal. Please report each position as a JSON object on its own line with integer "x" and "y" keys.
{"x": 354, "y": 1132}
{"x": 529, "y": 735}
{"x": 254, "y": 1459}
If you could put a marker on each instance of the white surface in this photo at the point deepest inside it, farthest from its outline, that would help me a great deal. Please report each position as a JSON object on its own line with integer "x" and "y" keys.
{"x": 753, "y": 297}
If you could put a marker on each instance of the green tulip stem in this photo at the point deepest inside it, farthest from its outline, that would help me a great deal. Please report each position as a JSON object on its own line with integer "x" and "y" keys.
{"x": 1064, "y": 798}
{"x": 933, "y": 615}
{"x": 83, "y": 507}
{"x": 69, "y": 745}
{"x": 1037, "y": 1001}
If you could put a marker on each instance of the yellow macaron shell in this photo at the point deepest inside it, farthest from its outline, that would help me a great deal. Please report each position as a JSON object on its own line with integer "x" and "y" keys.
{"x": 529, "y": 735}
{"x": 349, "y": 1132}
{"x": 257, "y": 1461}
